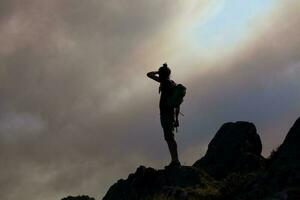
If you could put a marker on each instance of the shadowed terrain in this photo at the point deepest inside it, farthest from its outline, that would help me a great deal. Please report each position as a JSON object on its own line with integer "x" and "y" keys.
{"x": 232, "y": 168}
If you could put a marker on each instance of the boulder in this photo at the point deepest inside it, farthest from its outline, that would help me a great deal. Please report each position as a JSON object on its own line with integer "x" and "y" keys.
{"x": 281, "y": 179}
{"x": 236, "y": 147}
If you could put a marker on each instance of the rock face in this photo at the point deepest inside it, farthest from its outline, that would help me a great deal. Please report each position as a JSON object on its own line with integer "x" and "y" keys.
{"x": 289, "y": 151}
{"x": 236, "y": 147}
{"x": 146, "y": 183}
{"x": 232, "y": 168}
{"x": 285, "y": 163}
{"x": 281, "y": 179}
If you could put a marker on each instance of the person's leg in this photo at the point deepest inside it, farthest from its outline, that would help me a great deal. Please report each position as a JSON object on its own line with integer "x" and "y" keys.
{"x": 172, "y": 145}
{"x": 173, "y": 149}
{"x": 167, "y": 125}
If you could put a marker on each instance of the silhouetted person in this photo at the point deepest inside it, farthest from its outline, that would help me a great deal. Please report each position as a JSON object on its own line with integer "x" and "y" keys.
{"x": 168, "y": 114}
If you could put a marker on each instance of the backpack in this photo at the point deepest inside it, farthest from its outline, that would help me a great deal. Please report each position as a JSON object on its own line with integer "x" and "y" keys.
{"x": 176, "y": 98}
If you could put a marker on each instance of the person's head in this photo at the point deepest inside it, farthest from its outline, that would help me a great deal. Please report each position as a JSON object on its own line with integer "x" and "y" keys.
{"x": 164, "y": 71}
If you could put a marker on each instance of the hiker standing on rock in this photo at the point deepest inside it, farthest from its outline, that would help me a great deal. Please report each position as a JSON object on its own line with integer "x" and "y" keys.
{"x": 170, "y": 99}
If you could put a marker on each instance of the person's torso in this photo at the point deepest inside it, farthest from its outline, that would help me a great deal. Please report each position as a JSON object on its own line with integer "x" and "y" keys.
{"x": 166, "y": 88}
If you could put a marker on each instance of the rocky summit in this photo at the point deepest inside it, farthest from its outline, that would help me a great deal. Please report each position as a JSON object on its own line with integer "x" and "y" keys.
{"x": 231, "y": 169}
{"x": 148, "y": 182}
{"x": 281, "y": 178}
{"x": 236, "y": 147}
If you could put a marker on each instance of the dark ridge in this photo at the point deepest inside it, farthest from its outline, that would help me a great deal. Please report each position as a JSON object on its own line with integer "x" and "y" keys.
{"x": 231, "y": 169}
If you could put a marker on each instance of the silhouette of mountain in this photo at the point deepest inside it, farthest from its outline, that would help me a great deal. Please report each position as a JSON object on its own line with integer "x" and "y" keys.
{"x": 232, "y": 168}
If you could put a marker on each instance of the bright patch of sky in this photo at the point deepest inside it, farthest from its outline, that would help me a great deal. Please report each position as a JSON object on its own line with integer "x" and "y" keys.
{"x": 226, "y": 22}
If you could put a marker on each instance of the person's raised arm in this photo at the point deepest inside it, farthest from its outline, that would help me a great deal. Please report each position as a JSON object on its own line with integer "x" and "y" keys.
{"x": 153, "y": 75}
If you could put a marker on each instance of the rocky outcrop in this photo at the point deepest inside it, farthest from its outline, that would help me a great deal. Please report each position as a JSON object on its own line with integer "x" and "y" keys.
{"x": 286, "y": 160}
{"x": 148, "y": 183}
{"x": 236, "y": 147}
{"x": 232, "y": 168}
{"x": 281, "y": 179}
{"x": 289, "y": 151}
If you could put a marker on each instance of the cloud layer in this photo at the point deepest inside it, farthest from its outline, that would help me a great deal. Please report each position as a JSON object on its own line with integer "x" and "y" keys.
{"x": 77, "y": 111}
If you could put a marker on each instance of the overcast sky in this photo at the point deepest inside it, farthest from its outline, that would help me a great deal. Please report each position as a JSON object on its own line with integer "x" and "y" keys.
{"x": 77, "y": 111}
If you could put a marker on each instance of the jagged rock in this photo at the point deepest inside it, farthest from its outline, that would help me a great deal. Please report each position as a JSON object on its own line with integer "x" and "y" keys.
{"x": 281, "y": 180}
{"x": 232, "y": 168}
{"x": 289, "y": 151}
{"x": 236, "y": 147}
{"x": 148, "y": 182}
{"x": 82, "y": 197}
{"x": 285, "y": 163}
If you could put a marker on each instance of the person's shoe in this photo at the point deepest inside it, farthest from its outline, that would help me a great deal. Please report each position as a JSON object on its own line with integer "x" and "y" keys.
{"x": 174, "y": 164}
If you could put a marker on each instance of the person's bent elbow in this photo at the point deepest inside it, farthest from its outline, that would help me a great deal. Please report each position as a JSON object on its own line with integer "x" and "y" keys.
{"x": 149, "y": 74}
{"x": 153, "y": 76}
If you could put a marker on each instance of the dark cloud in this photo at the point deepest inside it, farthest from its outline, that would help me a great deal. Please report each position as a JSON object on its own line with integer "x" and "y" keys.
{"x": 63, "y": 76}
